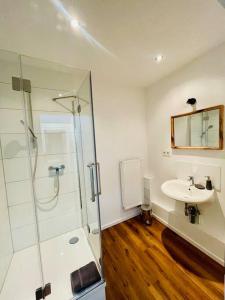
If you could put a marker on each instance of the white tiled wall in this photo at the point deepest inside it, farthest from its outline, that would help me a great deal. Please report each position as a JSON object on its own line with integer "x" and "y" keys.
{"x": 213, "y": 133}
{"x": 19, "y": 192}
{"x": 55, "y": 132}
{"x": 196, "y": 130}
{"x": 7, "y": 101}
{"x": 193, "y": 130}
{"x": 16, "y": 169}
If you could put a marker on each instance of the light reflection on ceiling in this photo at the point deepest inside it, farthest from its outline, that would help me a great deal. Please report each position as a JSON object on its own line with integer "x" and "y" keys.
{"x": 62, "y": 10}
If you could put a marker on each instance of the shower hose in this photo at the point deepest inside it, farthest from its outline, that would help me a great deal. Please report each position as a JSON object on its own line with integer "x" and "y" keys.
{"x": 38, "y": 202}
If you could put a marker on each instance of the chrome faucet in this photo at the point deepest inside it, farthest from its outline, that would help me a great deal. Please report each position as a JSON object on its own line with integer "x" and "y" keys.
{"x": 191, "y": 179}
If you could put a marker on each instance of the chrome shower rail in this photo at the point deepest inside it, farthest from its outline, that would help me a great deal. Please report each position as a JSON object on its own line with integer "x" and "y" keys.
{"x": 67, "y": 97}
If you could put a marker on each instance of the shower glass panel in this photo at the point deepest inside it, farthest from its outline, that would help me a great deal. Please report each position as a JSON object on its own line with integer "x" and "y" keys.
{"x": 89, "y": 168}
{"x": 59, "y": 170}
{"x": 20, "y": 267}
{"x": 8, "y": 66}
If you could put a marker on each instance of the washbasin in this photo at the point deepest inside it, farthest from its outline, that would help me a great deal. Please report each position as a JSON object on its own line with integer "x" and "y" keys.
{"x": 181, "y": 190}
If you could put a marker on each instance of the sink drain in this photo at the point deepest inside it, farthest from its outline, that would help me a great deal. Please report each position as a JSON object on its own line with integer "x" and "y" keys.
{"x": 73, "y": 240}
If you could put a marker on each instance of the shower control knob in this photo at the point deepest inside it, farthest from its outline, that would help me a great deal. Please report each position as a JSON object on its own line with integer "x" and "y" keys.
{"x": 53, "y": 170}
{"x": 60, "y": 167}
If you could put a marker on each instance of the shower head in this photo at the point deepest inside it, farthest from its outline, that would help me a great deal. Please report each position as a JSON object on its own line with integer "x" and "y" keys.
{"x": 204, "y": 132}
{"x": 28, "y": 127}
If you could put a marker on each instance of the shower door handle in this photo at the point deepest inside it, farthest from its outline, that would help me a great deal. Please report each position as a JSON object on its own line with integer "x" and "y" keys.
{"x": 91, "y": 170}
{"x": 92, "y": 180}
{"x": 99, "y": 188}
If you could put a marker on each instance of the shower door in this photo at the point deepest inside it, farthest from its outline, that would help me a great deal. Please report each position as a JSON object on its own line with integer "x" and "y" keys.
{"x": 89, "y": 168}
{"x": 60, "y": 116}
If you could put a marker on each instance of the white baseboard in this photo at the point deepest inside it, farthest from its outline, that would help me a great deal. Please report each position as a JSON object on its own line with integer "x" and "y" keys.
{"x": 187, "y": 237}
{"x": 120, "y": 220}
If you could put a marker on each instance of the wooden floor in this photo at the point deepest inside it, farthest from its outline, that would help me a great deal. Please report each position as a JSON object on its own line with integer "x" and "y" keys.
{"x": 151, "y": 262}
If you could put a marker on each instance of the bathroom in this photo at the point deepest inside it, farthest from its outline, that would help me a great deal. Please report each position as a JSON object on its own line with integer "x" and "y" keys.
{"x": 112, "y": 160}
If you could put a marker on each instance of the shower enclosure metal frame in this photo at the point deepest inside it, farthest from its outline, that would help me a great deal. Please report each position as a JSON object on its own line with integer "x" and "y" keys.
{"x": 94, "y": 169}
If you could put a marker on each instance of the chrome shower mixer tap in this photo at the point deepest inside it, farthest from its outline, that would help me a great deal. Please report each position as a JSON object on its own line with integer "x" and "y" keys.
{"x": 54, "y": 170}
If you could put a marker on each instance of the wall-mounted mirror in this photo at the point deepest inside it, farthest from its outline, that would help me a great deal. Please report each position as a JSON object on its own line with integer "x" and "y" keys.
{"x": 200, "y": 129}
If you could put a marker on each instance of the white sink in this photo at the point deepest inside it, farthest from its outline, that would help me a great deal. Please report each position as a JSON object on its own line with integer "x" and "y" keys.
{"x": 182, "y": 191}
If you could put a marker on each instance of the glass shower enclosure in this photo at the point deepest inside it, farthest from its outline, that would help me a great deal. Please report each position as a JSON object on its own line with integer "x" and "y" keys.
{"x": 49, "y": 182}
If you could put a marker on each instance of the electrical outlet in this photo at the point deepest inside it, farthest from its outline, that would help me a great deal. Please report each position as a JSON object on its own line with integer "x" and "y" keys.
{"x": 166, "y": 153}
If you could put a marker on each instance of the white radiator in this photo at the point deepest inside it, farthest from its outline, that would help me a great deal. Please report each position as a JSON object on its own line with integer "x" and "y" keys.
{"x": 132, "y": 188}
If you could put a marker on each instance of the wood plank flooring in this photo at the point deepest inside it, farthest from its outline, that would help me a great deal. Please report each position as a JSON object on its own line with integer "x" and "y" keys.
{"x": 152, "y": 262}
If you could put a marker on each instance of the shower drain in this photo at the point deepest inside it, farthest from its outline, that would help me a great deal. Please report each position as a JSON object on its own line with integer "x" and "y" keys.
{"x": 73, "y": 240}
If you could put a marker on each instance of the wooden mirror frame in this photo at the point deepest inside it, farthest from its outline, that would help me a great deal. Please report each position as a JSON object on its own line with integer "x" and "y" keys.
{"x": 221, "y": 124}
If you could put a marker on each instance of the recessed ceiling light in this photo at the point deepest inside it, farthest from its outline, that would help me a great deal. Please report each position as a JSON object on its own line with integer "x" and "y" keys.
{"x": 158, "y": 58}
{"x": 75, "y": 23}
{"x": 60, "y": 95}
{"x": 34, "y": 5}
{"x": 59, "y": 27}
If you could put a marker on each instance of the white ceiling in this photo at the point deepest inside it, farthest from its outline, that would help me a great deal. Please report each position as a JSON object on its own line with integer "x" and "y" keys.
{"x": 127, "y": 33}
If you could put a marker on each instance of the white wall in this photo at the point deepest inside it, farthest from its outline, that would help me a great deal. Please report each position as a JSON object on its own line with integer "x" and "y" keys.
{"x": 203, "y": 79}
{"x": 120, "y": 121}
